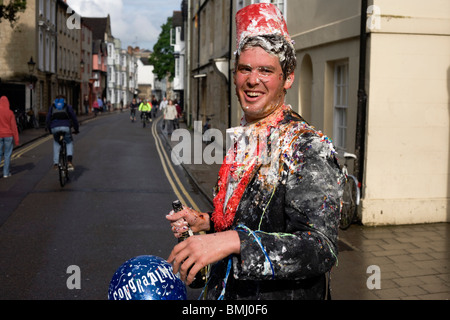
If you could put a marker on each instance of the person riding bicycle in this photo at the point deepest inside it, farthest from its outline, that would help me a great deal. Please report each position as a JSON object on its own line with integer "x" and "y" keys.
{"x": 133, "y": 107}
{"x": 145, "y": 108}
{"x": 61, "y": 118}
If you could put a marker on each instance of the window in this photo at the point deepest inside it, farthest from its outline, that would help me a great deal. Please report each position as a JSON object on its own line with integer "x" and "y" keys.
{"x": 110, "y": 50}
{"x": 47, "y": 54}
{"x": 177, "y": 68}
{"x": 64, "y": 63}
{"x": 41, "y": 50}
{"x": 53, "y": 12}
{"x": 281, "y": 4}
{"x": 41, "y": 7}
{"x": 340, "y": 104}
{"x": 60, "y": 58}
{"x": 173, "y": 37}
{"x": 52, "y": 55}
{"x": 48, "y": 11}
{"x": 240, "y": 4}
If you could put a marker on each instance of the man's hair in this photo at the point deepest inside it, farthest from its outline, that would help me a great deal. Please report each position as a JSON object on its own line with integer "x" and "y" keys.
{"x": 272, "y": 44}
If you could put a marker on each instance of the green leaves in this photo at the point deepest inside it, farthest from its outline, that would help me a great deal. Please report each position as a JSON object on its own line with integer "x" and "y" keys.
{"x": 9, "y": 11}
{"x": 162, "y": 57}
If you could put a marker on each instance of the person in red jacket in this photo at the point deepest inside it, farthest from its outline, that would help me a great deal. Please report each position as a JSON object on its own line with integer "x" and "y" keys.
{"x": 8, "y": 134}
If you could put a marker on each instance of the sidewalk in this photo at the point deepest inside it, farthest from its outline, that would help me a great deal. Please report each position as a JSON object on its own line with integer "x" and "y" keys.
{"x": 413, "y": 261}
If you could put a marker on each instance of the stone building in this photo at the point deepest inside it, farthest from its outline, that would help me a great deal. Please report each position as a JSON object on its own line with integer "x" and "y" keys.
{"x": 68, "y": 59}
{"x": 28, "y": 57}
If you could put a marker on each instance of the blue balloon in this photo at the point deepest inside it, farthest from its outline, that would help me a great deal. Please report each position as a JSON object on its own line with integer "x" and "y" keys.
{"x": 146, "y": 278}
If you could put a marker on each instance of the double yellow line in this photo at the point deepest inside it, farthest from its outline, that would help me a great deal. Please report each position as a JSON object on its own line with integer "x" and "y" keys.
{"x": 17, "y": 154}
{"x": 176, "y": 185}
{"x": 166, "y": 162}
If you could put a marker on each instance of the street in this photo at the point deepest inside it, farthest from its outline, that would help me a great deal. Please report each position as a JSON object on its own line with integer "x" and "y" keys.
{"x": 114, "y": 206}
{"x": 112, "y": 209}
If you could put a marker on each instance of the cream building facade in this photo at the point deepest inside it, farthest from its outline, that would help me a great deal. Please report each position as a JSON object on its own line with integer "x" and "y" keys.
{"x": 405, "y": 151}
{"x": 397, "y": 101}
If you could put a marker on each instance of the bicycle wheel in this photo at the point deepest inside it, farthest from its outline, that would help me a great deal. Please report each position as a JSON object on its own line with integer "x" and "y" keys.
{"x": 349, "y": 199}
{"x": 62, "y": 166}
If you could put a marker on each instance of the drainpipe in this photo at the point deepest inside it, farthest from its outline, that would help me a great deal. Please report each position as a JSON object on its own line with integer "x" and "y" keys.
{"x": 360, "y": 144}
{"x": 230, "y": 57}
{"x": 198, "y": 64}
{"x": 188, "y": 97}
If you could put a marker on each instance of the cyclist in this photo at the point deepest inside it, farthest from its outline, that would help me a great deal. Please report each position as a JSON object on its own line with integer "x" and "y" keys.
{"x": 133, "y": 107}
{"x": 145, "y": 108}
{"x": 61, "y": 118}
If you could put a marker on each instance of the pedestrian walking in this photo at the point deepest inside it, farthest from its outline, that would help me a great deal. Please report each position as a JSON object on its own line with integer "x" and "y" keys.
{"x": 95, "y": 107}
{"x": 86, "y": 104}
{"x": 101, "y": 104}
{"x": 8, "y": 135}
{"x": 273, "y": 231}
{"x": 170, "y": 114}
{"x": 163, "y": 104}
{"x": 176, "y": 121}
{"x": 154, "y": 107}
{"x": 133, "y": 107}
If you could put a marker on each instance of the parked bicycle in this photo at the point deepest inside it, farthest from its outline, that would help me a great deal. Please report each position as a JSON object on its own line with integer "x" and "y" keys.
{"x": 21, "y": 120}
{"x": 25, "y": 120}
{"x": 32, "y": 122}
{"x": 351, "y": 195}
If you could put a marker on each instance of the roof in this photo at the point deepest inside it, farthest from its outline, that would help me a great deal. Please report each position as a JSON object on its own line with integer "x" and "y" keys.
{"x": 99, "y": 27}
{"x": 177, "y": 19}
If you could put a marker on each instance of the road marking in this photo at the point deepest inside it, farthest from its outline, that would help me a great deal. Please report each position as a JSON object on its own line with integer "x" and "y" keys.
{"x": 179, "y": 191}
{"x": 166, "y": 162}
{"x": 17, "y": 154}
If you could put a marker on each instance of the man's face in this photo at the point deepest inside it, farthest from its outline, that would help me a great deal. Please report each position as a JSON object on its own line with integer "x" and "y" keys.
{"x": 259, "y": 83}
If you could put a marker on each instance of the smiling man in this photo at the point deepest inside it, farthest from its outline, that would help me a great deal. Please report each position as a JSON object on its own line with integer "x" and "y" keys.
{"x": 273, "y": 232}
{"x": 260, "y": 83}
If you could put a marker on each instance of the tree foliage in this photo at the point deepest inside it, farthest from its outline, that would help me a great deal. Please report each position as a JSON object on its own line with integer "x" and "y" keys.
{"x": 162, "y": 57}
{"x": 9, "y": 11}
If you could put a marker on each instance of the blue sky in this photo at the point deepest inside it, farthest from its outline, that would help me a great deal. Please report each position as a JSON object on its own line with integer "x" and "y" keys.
{"x": 134, "y": 22}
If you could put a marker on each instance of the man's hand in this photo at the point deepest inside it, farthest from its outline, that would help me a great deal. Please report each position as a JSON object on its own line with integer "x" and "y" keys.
{"x": 196, "y": 252}
{"x": 187, "y": 218}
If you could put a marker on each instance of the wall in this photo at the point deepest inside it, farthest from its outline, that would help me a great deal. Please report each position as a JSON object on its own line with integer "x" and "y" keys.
{"x": 406, "y": 178}
{"x": 407, "y": 173}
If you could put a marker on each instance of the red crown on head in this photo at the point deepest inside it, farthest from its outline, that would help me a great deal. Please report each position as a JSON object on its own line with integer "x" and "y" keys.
{"x": 260, "y": 19}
